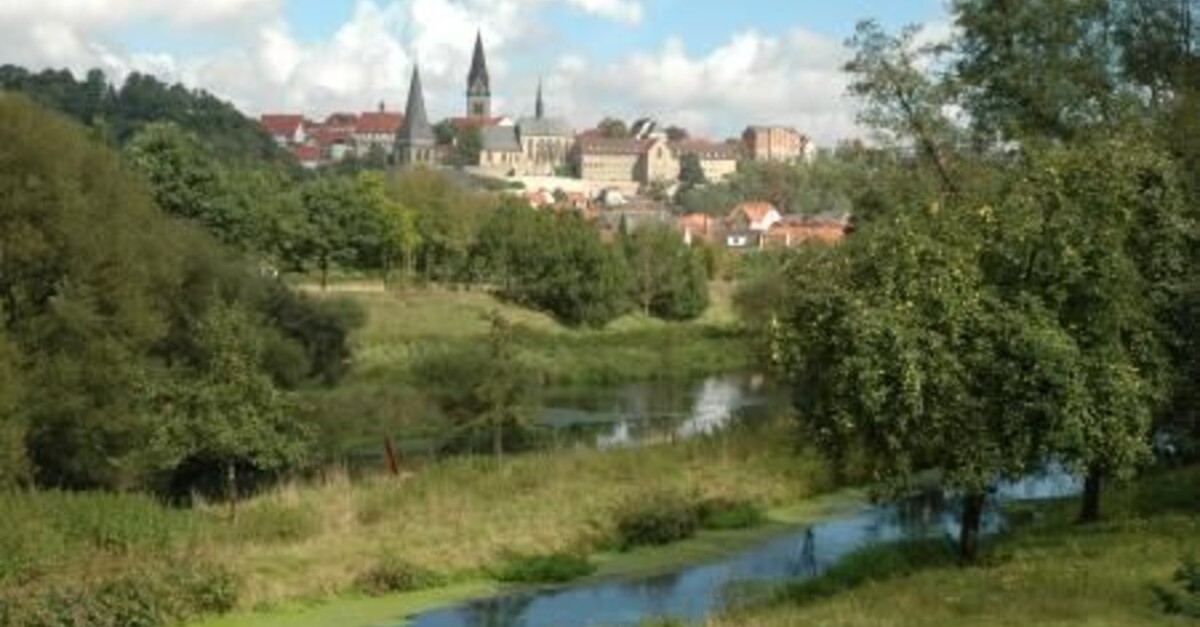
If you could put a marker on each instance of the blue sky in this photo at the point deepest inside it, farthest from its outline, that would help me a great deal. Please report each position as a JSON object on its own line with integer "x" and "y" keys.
{"x": 714, "y": 65}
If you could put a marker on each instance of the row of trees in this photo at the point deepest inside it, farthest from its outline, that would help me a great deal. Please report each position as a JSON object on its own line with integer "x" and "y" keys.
{"x": 134, "y": 350}
{"x": 558, "y": 263}
{"x": 1027, "y": 291}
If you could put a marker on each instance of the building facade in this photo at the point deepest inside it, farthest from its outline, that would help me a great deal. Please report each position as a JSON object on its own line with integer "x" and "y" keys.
{"x": 774, "y": 143}
{"x": 545, "y": 141}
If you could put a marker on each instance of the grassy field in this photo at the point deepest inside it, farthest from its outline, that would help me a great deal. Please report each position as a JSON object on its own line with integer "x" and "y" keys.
{"x": 1049, "y": 572}
{"x": 456, "y": 517}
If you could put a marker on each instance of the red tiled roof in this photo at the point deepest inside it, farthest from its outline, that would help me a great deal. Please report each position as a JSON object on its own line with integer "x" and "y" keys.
{"x": 281, "y": 124}
{"x": 342, "y": 120}
{"x": 756, "y": 211}
{"x": 379, "y": 123}
{"x": 697, "y": 222}
{"x": 307, "y": 153}
{"x": 326, "y": 136}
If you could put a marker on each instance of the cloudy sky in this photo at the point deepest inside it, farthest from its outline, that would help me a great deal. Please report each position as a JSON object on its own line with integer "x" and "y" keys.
{"x": 713, "y": 66}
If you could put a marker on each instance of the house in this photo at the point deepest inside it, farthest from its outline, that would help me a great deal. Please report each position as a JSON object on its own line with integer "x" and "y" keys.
{"x": 794, "y": 230}
{"x": 743, "y": 240}
{"x": 608, "y": 160}
{"x": 375, "y": 132}
{"x": 698, "y": 227}
{"x": 775, "y": 143}
{"x": 545, "y": 141}
{"x": 334, "y": 142}
{"x": 285, "y": 129}
{"x": 756, "y": 217}
{"x": 308, "y": 155}
{"x": 719, "y": 161}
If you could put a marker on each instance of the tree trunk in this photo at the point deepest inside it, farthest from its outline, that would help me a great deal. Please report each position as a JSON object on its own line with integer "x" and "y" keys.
{"x": 392, "y": 462}
{"x": 498, "y": 440}
{"x": 231, "y": 492}
{"x": 1089, "y": 512}
{"x": 968, "y": 536}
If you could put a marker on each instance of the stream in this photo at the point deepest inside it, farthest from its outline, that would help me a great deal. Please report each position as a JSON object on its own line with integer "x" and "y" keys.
{"x": 696, "y": 592}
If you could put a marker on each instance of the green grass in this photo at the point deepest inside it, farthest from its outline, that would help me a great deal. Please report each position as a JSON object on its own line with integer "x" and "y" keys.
{"x": 1049, "y": 572}
{"x": 542, "y": 569}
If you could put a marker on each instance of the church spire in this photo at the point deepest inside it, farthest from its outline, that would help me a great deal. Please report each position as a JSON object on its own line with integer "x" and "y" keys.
{"x": 539, "y": 109}
{"x": 416, "y": 130}
{"x": 479, "y": 85}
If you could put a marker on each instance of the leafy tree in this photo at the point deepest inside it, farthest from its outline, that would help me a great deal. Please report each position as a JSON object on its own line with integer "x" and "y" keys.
{"x": 399, "y": 239}
{"x": 468, "y": 145}
{"x": 340, "y": 227}
{"x": 613, "y": 128}
{"x": 505, "y": 391}
{"x": 14, "y": 465}
{"x": 225, "y": 410}
{"x": 903, "y": 358}
{"x": 669, "y": 279}
{"x": 676, "y": 133}
{"x": 691, "y": 173}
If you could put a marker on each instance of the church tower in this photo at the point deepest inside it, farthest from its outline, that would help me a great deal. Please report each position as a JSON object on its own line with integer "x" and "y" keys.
{"x": 479, "y": 86}
{"x": 415, "y": 141}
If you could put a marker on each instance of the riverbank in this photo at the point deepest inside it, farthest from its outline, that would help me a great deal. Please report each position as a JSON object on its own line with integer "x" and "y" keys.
{"x": 1049, "y": 571}
{"x": 392, "y": 610}
{"x": 309, "y": 542}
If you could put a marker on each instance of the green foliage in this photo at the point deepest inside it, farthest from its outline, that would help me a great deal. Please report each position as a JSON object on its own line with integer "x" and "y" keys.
{"x": 553, "y": 262}
{"x": 655, "y": 519}
{"x": 1182, "y": 596}
{"x": 613, "y": 128}
{"x": 725, "y": 513}
{"x": 392, "y": 575}
{"x": 14, "y": 465}
{"x": 691, "y": 172}
{"x": 870, "y": 565}
{"x": 274, "y": 523}
{"x": 151, "y": 596}
{"x": 542, "y": 569}
{"x": 120, "y": 112}
{"x": 669, "y": 279}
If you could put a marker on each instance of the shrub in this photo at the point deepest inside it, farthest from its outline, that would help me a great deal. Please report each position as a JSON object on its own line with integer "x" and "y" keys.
{"x": 551, "y": 568}
{"x": 655, "y": 519}
{"x": 149, "y": 597}
{"x": 1182, "y": 596}
{"x": 392, "y": 574}
{"x": 723, "y": 513}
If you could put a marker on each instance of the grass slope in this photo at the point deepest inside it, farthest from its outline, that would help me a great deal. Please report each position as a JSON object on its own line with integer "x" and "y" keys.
{"x": 1049, "y": 572}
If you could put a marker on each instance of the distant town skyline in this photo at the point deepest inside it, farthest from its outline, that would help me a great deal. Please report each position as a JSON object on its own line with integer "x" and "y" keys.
{"x": 709, "y": 65}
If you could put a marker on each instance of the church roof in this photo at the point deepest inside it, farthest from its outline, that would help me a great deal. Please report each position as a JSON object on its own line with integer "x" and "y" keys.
{"x": 544, "y": 127}
{"x": 478, "y": 81}
{"x": 416, "y": 130}
{"x": 500, "y": 139}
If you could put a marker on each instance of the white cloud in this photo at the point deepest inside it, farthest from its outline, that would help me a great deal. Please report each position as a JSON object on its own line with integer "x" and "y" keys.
{"x": 795, "y": 79}
{"x": 620, "y": 10}
{"x": 792, "y": 79}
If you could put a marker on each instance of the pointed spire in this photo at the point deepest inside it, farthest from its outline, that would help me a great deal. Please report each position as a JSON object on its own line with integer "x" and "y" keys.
{"x": 478, "y": 82}
{"x": 539, "y": 110}
{"x": 416, "y": 129}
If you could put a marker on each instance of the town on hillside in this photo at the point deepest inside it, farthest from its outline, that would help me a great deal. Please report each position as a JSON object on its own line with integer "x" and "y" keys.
{"x": 617, "y": 175}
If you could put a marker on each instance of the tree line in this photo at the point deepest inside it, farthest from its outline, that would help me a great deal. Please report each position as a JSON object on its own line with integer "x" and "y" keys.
{"x": 136, "y": 351}
{"x": 1026, "y": 292}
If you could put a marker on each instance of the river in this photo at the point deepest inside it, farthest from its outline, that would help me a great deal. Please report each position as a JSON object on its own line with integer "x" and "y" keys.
{"x": 699, "y": 591}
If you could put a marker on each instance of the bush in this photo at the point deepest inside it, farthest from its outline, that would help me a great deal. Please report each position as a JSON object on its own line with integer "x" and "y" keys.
{"x": 1182, "y": 596}
{"x": 149, "y": 597}
{"x": 552, "y": 568}
{"x": 724, "y": 513}
{"x": 392, "y": 574}
{"x": 656, "y": 519}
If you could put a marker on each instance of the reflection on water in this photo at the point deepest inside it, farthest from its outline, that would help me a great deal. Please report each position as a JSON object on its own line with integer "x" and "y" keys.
{"x": 642, "y": 413}
{"x": 696, "y": 592}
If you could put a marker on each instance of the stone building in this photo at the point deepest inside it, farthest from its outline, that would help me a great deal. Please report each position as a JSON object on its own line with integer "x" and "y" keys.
{"x": 415, "y": 142}
{"x": 718, "y": 161}
{"x": 545, "y": 141}
{"x": 774, "y": 143}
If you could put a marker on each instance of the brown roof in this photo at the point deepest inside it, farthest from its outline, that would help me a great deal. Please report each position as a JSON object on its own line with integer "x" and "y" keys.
{"x": 342, "y": 120}
{"x": 705, "y": 149}
{"x": 377, "y": 122}
{"x": 326, "y": 136}
{"x": 281, "y": 124}
{"x": 697, "y": 222}
{"x": 756, "y": 211}
{"x": 590, "y": 145}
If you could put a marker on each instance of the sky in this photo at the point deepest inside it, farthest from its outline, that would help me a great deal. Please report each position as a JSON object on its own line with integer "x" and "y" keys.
{"x": 711, "y": 66}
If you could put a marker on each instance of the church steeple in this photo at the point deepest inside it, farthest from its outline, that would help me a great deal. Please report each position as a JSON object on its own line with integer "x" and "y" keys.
{"x": 415, "y": 140}
{"x": 479, "y": 85}
{"x": 539, "y": 109}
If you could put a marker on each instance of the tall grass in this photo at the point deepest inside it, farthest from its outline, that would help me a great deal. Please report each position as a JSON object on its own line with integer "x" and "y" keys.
{"x": 460, "y": 516}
